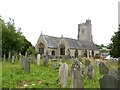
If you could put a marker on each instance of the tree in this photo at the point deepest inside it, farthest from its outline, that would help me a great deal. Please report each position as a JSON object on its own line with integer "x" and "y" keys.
{"x": 12, "y": 39}
{"x": 115, "y": 46}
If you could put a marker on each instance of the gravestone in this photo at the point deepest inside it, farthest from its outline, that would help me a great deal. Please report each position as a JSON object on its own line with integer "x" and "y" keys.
{"x": 87, "y": 62}
{"x": 97, "y": 62}
{"x": 77, "y": 74}
{"x": 13, "y": 58}
{"x": 4, "y": 57}
{"x": 103, "y": 69}
{"x": 110, "y": 80}
{"x": 20, "y": 56}
{"x": 55, "y": 66}
{"x": 9, "y": 57}
{"x": 38, "y": 59}
{"x": 63, "y": 75}
{"x": 23, "y": 60}
{"x": 27, "y": 65}
{"x": 46, "y": 61}
{"x": 90, "y": 71}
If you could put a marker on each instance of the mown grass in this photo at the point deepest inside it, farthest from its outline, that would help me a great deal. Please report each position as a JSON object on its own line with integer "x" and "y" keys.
{"x": 40, "y": 76}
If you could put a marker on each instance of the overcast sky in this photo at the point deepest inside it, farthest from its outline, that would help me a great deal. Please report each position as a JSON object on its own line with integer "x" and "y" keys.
{"x": 61, "y": 17}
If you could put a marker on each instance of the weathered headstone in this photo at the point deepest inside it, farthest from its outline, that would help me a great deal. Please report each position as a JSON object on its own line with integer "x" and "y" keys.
{"x": 9, "y": 57}
{"x": 27, "y": 65}
{"x": 23, "y": 60}
{"x": 103, "y": 68}
{"x": 77, "y": 74}
{"x": 4, "y": 57}
{"x": 110, "y": 80}
{"x": 38, "y": 59}
{"x": 20, "y": 56}
{"x": 13, "y": 58}
{"x": 97, "y": 62}
{"x": 63, "y": 75}
{"x": 90, "y": 71}
{"x": 46, "y": 61}
{"x": 87, "y": 62}
{"x": 55, "y": 66}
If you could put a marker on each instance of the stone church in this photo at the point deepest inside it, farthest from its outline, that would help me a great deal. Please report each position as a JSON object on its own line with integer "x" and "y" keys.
{"x": 62, "y": 46}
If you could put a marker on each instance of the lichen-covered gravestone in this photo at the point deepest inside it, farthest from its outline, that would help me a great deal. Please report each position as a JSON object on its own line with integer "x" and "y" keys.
{"x": 38, "y": 59}
{"x": 27, "y": 65}
{"x": 46, "y": 61}
{"x": 103, "y": 69}
{"x": 90, "y": 71}
{"x": 87, "y": 62}
{"x": 77, "y": 74}
{"x": 63, "y": 75}
{"x": 110, "y": 80}
{"x": 97, "y": 62}
{"x": 13, "y": 58}
{"x": 23, "y": 60}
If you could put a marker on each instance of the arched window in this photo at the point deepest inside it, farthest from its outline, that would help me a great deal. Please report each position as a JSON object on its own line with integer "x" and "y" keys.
{"x": 92, "y": 53}
{"x": 85, "y": 53}
{"x": 53, "y": 52}
{"x": 41, "y": 49}
{"x": 76, "y": 53}
{"x": 62, "y": 49}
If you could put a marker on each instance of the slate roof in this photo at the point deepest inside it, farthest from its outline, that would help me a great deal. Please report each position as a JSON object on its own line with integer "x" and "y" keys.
{"x": 52, "y": 42}
{"x": 73, "y": 43}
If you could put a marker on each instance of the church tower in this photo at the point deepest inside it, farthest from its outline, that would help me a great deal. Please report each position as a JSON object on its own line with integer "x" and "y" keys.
{"x": 85, "y": 31}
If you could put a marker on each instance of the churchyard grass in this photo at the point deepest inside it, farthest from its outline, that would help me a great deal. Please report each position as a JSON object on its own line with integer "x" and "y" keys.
{"x": 40, "y": 76}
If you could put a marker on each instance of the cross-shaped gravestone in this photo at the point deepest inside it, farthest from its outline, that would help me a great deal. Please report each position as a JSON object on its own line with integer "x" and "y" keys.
{"x": 103, "y": 68}
{"x": 77, "y": 74}
{"x": 13, "y": 58}
{"x": 38, "y": 59}
{"x": 46, "y": 61}
{"x": 63, "y": 75}
{"x": 27, "y": 65}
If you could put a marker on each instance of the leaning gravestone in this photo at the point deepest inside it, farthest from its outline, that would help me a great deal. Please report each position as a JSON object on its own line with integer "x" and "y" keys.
{"x": 63, "y": 75}
{"x": 46, "y": 61}
{"x": 27, "y": 65}
{"x": 13, "y": 58}
{"x": 103, "y": 69}
{"x": 87, "y": 62}
{"x": 90, "y": 71}
{"x": 110, "y": 80}
{"x": 77, "y": 74}
{"x": 38, "y": 59}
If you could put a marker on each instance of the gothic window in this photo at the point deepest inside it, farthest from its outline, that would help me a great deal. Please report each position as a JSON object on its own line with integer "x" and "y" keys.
{"x": 41, "y": 49}
{"x": 76, "y": 53}
{"x": 53, "y": 52}
{"x": 62, "y": 49}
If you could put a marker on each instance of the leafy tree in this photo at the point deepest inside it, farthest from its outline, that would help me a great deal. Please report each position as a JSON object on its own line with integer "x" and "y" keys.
{"x": 115, "y": 46}
{"x": 12, "y": 39}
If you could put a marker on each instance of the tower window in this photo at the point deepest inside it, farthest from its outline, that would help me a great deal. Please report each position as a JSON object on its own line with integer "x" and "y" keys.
{"x": 82, "y": 31}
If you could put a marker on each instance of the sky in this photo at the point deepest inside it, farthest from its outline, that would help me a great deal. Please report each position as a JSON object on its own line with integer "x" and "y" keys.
{"x": 61, "y": 17}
